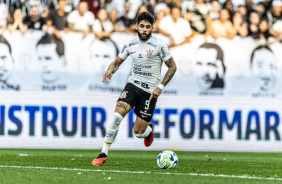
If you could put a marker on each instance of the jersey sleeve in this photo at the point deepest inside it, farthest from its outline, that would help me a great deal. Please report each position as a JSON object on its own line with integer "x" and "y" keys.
{"x": 124, "y": 52}
{"x": 164, "y": 51}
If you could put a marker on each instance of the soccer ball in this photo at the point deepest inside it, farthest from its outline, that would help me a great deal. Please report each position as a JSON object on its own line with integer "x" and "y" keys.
{"x": 167, "y": 160}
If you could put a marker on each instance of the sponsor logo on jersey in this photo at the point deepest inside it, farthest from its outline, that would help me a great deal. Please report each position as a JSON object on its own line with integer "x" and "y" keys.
{"x": 141, "y": 73}
{"x": 123, "y": 94}
{"x": 149, "y": 54}
{"x": 144, "y": 116}
{"x": 140, "y": 56}
{"x": 145, "y": 113}
{"x": 142, "y": 84}
{"x": 163, "y": 53}
{"x": 153, "y": 45}
{"x": 133, "y": 43}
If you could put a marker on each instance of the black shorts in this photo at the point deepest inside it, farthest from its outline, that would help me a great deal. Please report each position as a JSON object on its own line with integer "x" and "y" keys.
{"x": 139, "y": 99}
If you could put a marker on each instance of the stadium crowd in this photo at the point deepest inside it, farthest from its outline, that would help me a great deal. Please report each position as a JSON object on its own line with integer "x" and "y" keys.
{"x": 179, "y": 20}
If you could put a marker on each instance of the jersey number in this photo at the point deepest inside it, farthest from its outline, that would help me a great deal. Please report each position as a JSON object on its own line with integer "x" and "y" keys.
{"x": 147, "y": 103}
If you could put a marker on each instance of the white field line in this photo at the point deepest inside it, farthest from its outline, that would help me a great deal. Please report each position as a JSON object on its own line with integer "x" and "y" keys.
{"x": 143, "y": 172}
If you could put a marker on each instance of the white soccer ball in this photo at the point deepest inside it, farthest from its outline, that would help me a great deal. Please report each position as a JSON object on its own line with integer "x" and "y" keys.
{"x": 167, "y": 160}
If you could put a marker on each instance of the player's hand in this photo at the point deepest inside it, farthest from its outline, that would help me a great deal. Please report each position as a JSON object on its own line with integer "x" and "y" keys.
{"x": 108, "y": 75}
{"x": 157, "y": 92}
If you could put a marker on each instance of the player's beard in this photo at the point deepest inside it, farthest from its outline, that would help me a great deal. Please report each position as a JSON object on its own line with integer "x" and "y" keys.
{"x": 144, "y": 39}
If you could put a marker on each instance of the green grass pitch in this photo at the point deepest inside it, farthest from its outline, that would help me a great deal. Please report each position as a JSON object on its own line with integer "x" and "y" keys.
{"x": 74, "y": 166}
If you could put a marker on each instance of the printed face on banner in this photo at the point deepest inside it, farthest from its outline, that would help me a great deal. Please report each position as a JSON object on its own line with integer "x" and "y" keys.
{"x": 51, "y": 63}
{"x": 264, "y": 69}
{"x": 208, "y": 68}
{"x": 102, "y": 53}
{"x": 6, "y": 62}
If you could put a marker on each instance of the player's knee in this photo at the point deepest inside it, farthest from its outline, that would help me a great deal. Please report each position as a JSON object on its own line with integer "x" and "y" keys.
{"x": 121, "y": 111}
{"x": 122, "y": 108}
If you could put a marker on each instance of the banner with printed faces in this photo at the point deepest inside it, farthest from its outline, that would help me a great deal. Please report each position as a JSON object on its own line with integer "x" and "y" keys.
{"x": 239, "y": 67}
{"x": 191, "y": 123}
{"x": 38, "y": 62}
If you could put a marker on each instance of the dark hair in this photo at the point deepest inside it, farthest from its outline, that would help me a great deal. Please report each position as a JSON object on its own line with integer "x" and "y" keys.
{"x": 145, "y": 16}
{"x": 253, "y": 11}
{"x": 84, "y": 1}
{"x": 218, "y": 82}
{"x": 225, "y": 3}
{"x": 218, "y": 50}
{"x": 259, "y": 48}
{"x": 214, "y": 1}
{"x": 105, "y": 39}
{"x": 173, "y": 5}
{"x": 48, "y": 39}
{"x": 4, "y": 41}
{"x": 261, "y": 3}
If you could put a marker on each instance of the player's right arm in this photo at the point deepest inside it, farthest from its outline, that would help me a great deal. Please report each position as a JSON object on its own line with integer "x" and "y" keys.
{"x": 112, "y": 68}
{"x": 117, "y": 62}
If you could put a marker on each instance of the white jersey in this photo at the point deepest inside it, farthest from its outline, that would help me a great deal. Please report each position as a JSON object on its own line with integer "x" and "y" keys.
{"x": 147, "y": 57}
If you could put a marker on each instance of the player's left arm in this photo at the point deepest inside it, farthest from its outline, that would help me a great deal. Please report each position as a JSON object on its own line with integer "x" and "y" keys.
{"x": 170, "y": 63}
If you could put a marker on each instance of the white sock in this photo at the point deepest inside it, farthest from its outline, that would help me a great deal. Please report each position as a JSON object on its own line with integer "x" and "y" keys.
{"x": 106, "y": 147}
{"x": 145, "y": 134}
{"x": 111, "y": 132}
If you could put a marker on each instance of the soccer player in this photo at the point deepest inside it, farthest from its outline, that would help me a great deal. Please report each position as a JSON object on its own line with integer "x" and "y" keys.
{"x": 143, "y": 87}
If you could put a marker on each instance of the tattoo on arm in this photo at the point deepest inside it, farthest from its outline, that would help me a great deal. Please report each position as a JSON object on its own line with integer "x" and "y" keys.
{"x": 122, "y": 105}
{"x": 115, "y": 65}
{"x": 171, "y": 71}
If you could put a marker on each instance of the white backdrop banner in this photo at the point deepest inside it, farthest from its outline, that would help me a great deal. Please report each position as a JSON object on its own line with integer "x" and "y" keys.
{"x": 40, "y": 62}
{"x": 225, "y": 96}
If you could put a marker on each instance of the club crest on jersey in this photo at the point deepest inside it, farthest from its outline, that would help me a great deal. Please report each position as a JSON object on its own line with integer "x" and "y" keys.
{"x": 149, "y": 54}
{"x": 123, "y": 94}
